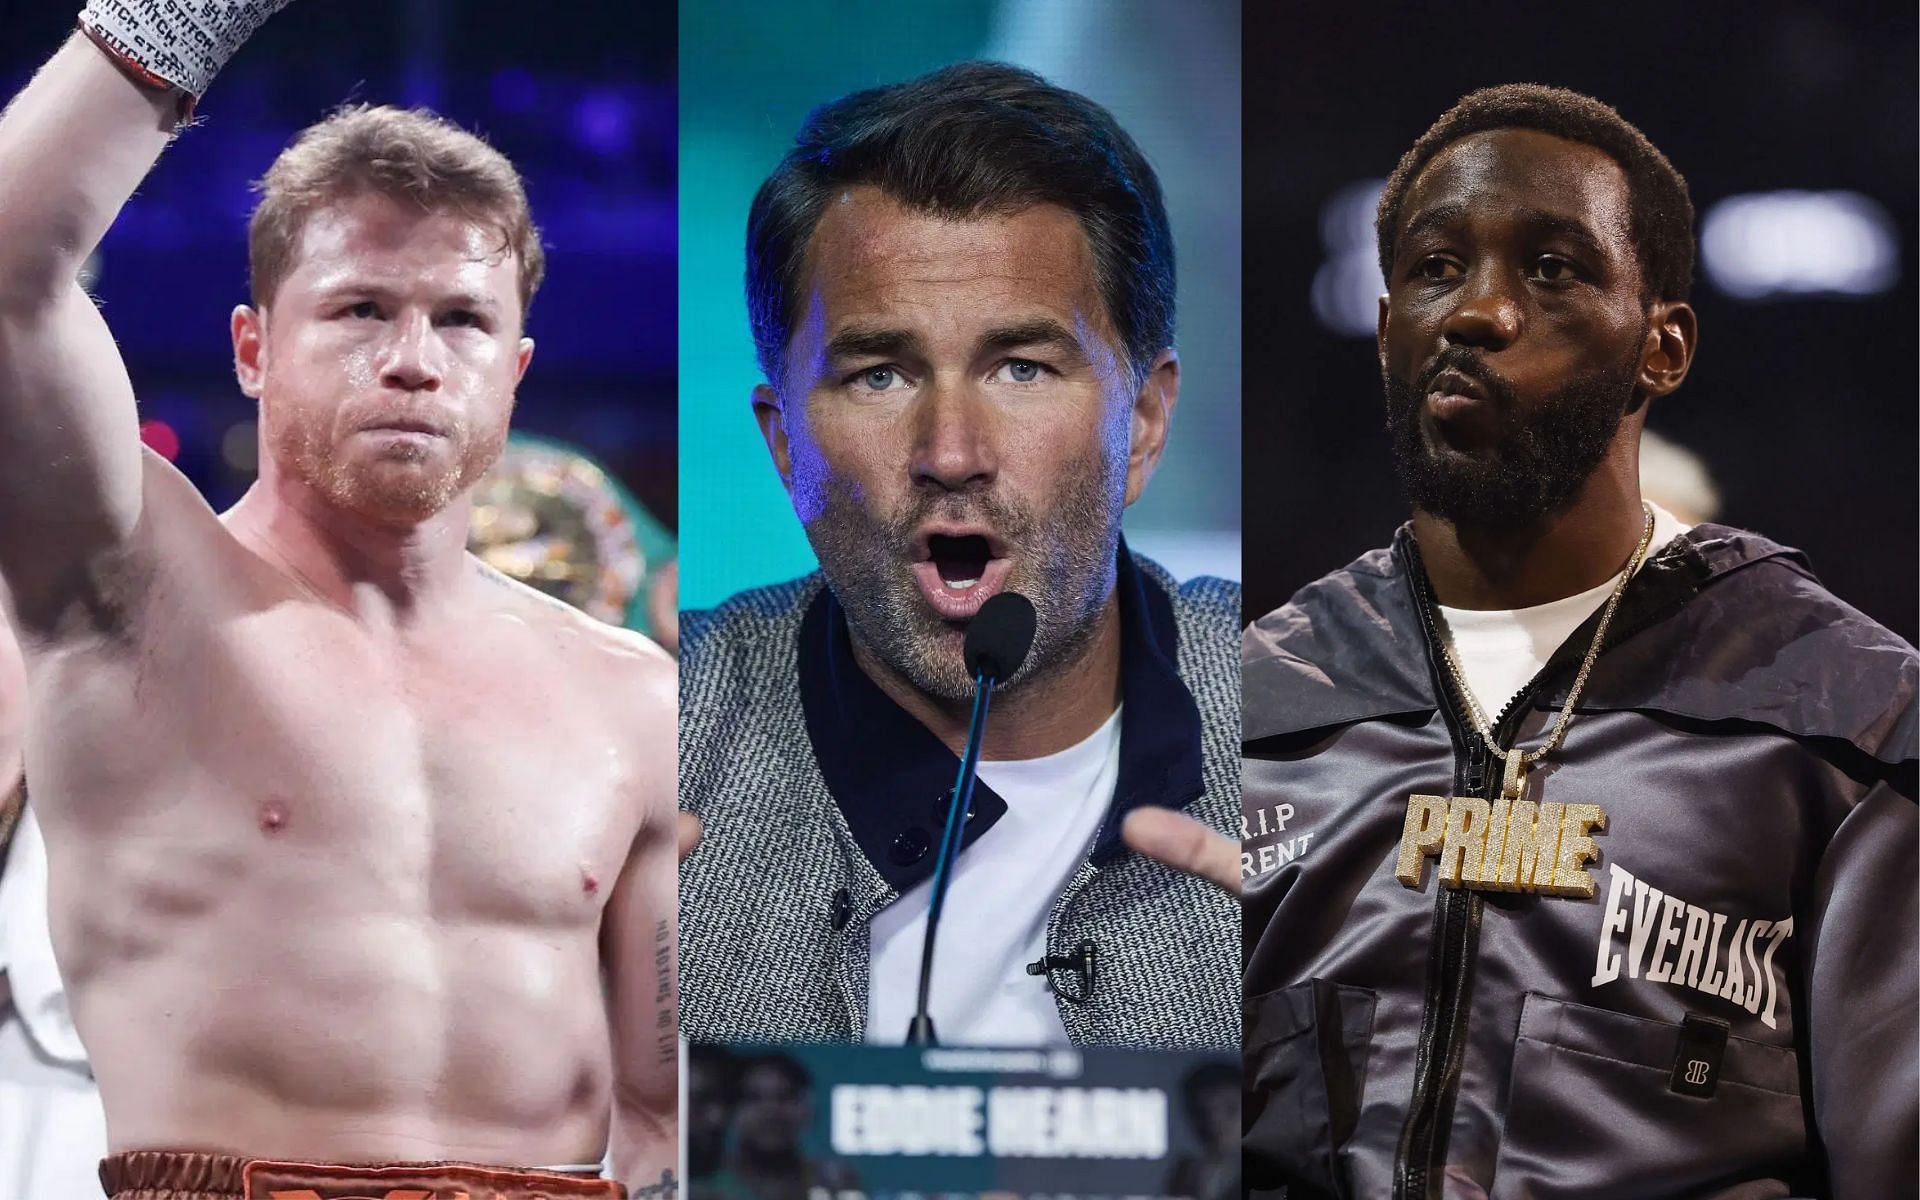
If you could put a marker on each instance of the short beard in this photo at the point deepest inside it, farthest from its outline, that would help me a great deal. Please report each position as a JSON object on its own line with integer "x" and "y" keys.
{"x": 392, "y": 491}
{"x": 1542, "y": 459}
{"x": 1067, "y": 571}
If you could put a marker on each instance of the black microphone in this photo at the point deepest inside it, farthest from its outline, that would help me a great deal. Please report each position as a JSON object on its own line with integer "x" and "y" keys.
{"x": 998, "y": 639}
{"x": 1080, "y": 962}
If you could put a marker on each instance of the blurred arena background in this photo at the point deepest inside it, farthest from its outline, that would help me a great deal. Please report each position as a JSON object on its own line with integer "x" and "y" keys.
{"x": 582, "y": 101}
{"x": 1795, "y": 125}
{"x": 750, "y": 72}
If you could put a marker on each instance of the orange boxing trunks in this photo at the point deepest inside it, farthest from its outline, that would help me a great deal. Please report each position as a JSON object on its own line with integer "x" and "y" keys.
{"x": 168, "y": 1175}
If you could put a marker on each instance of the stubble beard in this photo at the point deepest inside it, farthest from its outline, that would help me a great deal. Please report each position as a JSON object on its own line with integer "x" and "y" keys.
{"x": 396, "y": 489}
{"x": 1064, "y": 564}
{"x": 1542, "y": 458}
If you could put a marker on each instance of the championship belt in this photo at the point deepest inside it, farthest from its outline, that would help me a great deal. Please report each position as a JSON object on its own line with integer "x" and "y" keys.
{"x": 174, "y": 43}
{"x": 548, "y": 516}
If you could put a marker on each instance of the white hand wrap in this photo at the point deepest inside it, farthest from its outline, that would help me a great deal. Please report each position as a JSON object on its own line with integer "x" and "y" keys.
{"x": 175, "y": 43}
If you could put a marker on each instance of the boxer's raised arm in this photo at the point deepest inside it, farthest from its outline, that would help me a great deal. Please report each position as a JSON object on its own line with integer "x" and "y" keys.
{"x": 641, "y": 949}
{"x": 73, "y": 146}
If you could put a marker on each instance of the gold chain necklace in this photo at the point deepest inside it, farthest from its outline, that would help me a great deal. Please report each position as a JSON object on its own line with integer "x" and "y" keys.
{"x": 1513, "y": 844}
{"x": 1517, "y": 762}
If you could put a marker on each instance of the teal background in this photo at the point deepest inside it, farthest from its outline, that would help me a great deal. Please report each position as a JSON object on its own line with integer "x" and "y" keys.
{"x": 749, "y": 74}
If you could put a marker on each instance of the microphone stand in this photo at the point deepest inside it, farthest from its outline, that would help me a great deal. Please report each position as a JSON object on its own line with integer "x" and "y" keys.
{"x": 920, "y": 1032}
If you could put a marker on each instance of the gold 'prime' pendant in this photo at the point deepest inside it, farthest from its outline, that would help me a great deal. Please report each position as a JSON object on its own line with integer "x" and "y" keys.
{"x": 1510, "y": 845}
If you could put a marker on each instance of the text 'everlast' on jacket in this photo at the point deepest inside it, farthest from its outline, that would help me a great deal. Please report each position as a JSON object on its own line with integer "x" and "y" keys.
{"x": 1732, "y": 1012}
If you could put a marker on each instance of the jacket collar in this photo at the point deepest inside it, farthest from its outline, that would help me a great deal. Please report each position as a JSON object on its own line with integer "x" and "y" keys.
{"x": 1350, "y": 647}
{"x": 890, "y": 776}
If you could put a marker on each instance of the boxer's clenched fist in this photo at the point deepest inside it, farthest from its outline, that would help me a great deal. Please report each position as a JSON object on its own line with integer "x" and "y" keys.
{"x": 177, "y": 43}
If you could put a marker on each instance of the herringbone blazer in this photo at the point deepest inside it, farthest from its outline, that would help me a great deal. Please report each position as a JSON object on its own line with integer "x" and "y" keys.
{"x": 765, "y": 956}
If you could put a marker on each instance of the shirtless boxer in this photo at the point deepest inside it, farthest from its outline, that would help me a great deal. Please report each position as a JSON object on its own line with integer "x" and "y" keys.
{"x": 346, "y": 831}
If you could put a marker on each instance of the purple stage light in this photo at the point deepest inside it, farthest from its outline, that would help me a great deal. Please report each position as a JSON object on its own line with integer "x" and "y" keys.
{"x": 603, "y": 122}
{"x": 515, "y": 90}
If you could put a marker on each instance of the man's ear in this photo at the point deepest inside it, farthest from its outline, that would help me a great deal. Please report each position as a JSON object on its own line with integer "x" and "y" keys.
{"x": 1672, "y": 335}
{"x": 1152, "y": 417}
{"x": 248, "y": 328}
{"x": 773, "y": 428}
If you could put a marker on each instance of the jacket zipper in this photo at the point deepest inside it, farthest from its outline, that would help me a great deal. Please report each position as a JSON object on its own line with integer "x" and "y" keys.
{"x": 1450, "y": 965}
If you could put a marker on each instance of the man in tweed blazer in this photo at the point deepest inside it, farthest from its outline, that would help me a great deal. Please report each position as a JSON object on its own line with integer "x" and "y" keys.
{"x": 962, "y": 292}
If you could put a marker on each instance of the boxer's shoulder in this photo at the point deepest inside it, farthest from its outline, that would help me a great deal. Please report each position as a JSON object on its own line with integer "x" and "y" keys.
{"x": 574, "y": 639}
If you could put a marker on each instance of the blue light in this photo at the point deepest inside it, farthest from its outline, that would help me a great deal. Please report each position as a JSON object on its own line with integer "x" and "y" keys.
{"x": 1795, "y": 243}
{"x": 603, "y": 122}
{"x": 1348, "y": 286}
{"x": 514, "y": 90}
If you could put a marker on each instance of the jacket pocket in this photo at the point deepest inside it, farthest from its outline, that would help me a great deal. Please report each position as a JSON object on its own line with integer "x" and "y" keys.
{"x": 1305, "y": 1051}
{"x": 1590, "y": 1113}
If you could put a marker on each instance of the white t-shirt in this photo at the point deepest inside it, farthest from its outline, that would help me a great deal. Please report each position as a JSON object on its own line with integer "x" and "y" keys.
{"x": 1500, "y": 650}
{"x": 995, "y": 922}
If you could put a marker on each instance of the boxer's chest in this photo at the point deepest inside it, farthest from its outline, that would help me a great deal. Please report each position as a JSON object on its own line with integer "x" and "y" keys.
{"x": 474, "y": 778}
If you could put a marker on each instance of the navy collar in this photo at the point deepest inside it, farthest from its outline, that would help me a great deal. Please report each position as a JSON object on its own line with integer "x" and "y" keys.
{"x": 891, "y": 776}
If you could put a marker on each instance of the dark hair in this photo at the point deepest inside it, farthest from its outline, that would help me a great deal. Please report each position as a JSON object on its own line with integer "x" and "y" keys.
{"x": 784, "y": 1065}
{"x": 1661, "y": 215}
{"x": 971, "y": 139}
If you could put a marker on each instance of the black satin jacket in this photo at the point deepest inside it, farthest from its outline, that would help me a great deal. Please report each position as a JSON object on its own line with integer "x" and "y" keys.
{"x": 1731, "y": 1013}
